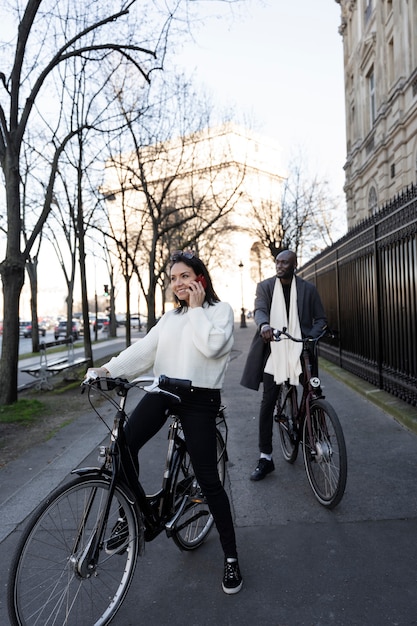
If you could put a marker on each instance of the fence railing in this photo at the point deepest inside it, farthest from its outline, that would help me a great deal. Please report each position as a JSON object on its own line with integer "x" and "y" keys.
{"x": 368, "y": 284}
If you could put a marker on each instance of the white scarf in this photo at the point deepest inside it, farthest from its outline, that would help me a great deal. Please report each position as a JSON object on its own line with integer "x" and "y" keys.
{"x": 284, "y": 361}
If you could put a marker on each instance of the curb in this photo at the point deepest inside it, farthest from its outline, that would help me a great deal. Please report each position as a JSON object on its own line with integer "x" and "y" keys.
{"x": 401, "y": 411}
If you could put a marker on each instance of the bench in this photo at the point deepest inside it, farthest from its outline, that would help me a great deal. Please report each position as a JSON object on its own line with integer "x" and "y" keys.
{"x": 48, "y": 367}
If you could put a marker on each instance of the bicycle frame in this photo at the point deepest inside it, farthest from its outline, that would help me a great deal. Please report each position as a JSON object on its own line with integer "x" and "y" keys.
{"x": 311, "y": 391}
{"x": 76, "y": 558}
{"x": 156, "y": 509}
{"x": 314, "y": 423}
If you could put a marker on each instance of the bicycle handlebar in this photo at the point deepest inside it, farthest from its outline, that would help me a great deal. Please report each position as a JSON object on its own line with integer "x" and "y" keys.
{"x": 277, "y": 335}
{"x": 164, "y": 384}
{"x": 178, "y": 384}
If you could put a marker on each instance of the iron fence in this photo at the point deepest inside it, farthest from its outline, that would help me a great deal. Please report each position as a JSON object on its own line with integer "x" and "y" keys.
{"x": 367, "y": 281}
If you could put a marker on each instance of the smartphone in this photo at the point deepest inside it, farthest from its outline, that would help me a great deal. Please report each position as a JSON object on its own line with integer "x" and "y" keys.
{"x": 202, "y": 280}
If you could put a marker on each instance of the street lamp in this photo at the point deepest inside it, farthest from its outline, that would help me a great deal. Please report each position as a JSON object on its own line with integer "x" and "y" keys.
{"x": 242, "y": 314}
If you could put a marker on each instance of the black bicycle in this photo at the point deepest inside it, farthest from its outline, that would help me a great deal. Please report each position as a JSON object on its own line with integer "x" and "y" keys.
{"x": 314, "y": 424}
{"x": 76, "y": 558}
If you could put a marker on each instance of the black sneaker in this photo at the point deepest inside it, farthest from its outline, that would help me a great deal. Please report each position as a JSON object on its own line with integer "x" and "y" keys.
{"x": 119, "y": 538}
{"x": 232, "y": 579}
{"x": 264, "y": 467}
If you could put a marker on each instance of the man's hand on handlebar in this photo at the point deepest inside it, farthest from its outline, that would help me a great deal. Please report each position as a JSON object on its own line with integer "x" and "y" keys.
{"x": 267, "y": 333}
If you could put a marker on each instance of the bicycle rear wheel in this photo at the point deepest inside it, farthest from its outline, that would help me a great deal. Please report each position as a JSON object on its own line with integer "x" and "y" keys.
{"x": 326, "y": 460}
{"x": 50, "y": 580}
{"x": 195, "y": 521}
{"x": 285, "y": 413}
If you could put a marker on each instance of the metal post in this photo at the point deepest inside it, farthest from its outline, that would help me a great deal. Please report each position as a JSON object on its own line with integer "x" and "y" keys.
{"x": 242, "y": 314}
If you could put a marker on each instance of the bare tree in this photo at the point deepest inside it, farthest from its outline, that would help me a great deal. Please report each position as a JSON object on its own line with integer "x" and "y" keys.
{"x": 49, "y": 36}
{"x": 57, "y": 40}
{"x": 267, "y": 225}
{"x": 175, "y": 183}
{"x": 122, "y": 241}
{"x": 309, "y": 212}
{"x": 303, "y": 218}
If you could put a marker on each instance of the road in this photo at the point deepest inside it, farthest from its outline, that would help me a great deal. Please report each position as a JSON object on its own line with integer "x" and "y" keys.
{"x": 103, "y": 347}
{"x": 302, "y": 564}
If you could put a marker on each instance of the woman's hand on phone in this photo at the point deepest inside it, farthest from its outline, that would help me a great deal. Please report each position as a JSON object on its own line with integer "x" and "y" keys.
{"x": 197, "y": 292}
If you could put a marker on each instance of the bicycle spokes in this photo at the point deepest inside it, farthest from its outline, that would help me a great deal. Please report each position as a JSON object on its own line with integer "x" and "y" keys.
{"x": 325, "y": 454}
{"x": 58, "y": 576}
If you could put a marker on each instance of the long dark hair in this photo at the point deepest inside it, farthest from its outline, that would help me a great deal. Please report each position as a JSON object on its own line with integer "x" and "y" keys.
{"x": 189, "y": 259}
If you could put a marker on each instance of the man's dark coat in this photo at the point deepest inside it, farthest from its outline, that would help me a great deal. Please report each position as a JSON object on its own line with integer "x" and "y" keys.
{"x": 312, "y": 321}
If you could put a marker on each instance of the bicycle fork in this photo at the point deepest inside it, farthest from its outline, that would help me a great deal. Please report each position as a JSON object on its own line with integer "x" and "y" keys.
{"x": 85, "y": 564}
{"x": 319, "y": 446}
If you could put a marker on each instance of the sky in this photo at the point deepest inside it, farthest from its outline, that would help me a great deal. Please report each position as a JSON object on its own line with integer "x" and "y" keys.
{"x": 280, "y": 63}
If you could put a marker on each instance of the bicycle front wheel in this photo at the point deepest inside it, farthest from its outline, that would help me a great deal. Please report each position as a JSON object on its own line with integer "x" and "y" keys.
{"x": 285, "y": 414}
{"x": 195, "y": 521}
{"x": 325, "y": 456}
{"x": 52, "y": 580}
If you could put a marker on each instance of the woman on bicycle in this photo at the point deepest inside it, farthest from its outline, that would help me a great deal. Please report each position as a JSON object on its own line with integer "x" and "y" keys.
{"x": 192, "y": 342}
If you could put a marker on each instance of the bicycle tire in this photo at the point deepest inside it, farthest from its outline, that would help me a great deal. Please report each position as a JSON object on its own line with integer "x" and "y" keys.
{"x": 285, "y": 418}
{"x": 196, "y": 521}
{"x": 326, "y": 464}
{"x": 46, "y": 582}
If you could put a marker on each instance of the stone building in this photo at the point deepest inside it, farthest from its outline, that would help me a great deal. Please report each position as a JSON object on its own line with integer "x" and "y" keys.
{"x": 186, "y": 180}
{"x": 380, "y": 61}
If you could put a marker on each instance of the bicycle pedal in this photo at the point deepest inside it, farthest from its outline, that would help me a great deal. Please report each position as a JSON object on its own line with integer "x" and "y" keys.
{"x": 198, "y": 500}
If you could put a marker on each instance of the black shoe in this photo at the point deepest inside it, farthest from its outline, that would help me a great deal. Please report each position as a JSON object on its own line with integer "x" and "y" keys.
{"x": 232, "y": 579}
{"x": 119, "y": 538}
{"x": 263, "y": 468}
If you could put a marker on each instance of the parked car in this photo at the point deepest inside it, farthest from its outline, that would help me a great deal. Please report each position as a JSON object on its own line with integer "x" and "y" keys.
{"x": 61, "y": 329}
{"x": 121, "y": 319}
{"x": 102, "y": 324}
{"x": 25, "y": 329}
{"x": 28, "y": 331}
{"x": 23, "y": 326}
{"x": 138, "y": 321}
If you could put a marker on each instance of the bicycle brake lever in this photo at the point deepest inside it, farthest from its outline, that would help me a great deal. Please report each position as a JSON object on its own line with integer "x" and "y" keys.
{"x": 277, "y": 334}
{"x": 153, "y": 387}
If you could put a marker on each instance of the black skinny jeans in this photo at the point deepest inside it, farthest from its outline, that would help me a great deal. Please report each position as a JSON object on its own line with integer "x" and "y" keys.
{"x": 197, "y": 411}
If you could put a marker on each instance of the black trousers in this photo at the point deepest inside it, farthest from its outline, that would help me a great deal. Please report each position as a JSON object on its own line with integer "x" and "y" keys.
{"x": 269, "y": 398}
{"x": 197, "y": 411}
{"x": 266, "y": 413}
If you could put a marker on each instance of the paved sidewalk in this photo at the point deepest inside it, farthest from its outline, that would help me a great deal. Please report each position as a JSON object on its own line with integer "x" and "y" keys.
{"x": 302, "y": 564}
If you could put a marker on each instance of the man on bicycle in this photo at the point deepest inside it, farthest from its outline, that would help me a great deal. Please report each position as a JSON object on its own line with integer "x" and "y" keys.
{"x": 283, "y": 300}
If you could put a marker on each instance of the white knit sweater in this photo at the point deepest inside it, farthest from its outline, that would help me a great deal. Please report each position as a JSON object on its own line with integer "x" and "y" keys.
{"x": 193, "y": 345}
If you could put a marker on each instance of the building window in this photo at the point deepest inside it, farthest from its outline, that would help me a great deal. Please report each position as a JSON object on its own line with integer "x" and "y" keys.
{"x": 392, "y": 170}
{"x": 371, "y": 90}
{"x": 390, "y": 63}
{"x": 372, "y": 201}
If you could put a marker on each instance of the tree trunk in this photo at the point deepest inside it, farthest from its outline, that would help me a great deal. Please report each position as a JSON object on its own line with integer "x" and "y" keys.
{"x": 32, "y": 270}
{"x": 12, "y": 271}
{"x": 88, "y": 350}
{"x": 128, "y": 328}
{"x": 112, "y": 312}
{"x": 13, "y": 276}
